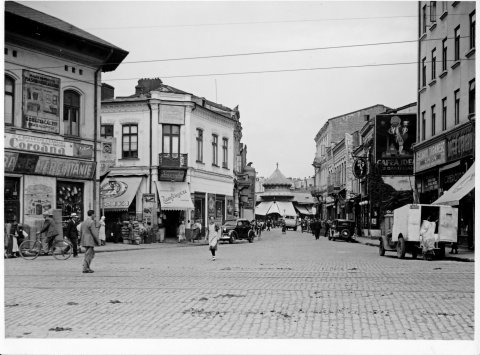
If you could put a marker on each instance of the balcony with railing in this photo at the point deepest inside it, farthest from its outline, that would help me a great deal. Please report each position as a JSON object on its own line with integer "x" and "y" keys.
{"x": 173, "y": 160}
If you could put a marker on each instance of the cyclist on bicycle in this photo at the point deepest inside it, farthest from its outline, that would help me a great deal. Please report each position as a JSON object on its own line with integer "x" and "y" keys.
{"x": 50, "y": 229}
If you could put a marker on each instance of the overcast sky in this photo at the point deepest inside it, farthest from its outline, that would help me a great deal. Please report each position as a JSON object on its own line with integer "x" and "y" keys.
{"x": 281, "y": 112}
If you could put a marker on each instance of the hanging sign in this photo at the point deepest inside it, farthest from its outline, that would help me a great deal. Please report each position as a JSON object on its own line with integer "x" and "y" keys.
{"x": 360, "y": 168}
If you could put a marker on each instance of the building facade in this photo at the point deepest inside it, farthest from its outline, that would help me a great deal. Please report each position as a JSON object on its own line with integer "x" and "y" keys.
{"x": 51, "y": 115}
{"x": 445, "y": 148}
{"x": 331, "y": 133}
{"x": 174, "y": 151}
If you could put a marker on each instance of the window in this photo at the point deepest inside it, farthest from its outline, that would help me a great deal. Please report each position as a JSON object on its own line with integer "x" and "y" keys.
{"x": 225, "y": 153}
{"x": 433, "y": 11}
{"x": 171, "y": 139}
{"x": 457, "y": 106}
{"x": 130, "y": 141}
{"x": 9, "y": 100}
{"x": 444, "y": 54}
{"x": 434, "y": 63}
{"x": 472, "y": 29}
{"x": 457, "y": 43}
{"x": 215, "y": 149}
{"x": 433, "y": 120}
{"x": 106, "y": 130}
{"x": 199, "y": 145}
{"x": 424, "y": 19}
{"x": 424, "y": 72}
{"x": 471, "y": 98}
{"x": 71, "y": 113}
{"x": 423, "y": 125}
{"x": 444, "y": 114}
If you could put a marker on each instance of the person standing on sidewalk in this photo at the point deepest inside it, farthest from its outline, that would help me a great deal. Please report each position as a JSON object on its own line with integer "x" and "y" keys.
{"x": 72, "y": 233}
{"x": 212, "y": 235}
{"x": 89, "y": 239}
{"x": 101, "y": 231}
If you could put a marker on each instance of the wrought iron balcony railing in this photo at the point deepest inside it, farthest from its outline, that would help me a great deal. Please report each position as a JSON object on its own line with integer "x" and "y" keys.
{"x": 172, "y": 160}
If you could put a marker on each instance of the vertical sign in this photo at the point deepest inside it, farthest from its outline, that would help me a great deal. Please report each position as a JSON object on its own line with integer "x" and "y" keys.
{"x": 211, "y": 205}
{"x": 41, "y": 99}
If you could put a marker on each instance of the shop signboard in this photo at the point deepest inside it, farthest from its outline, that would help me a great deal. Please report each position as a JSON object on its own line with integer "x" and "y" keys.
{"x": 107, "y": 157}
{"x": 41, "y": 102}
{"x": 148, "y": 208}
{"x": 430, "y": 156}
{"x": 48, "y": 166}
{"x": 460, "y": 143}
{"x": 38, "y": 144}
{"x": 172, "y": 114}
{"x": 84, "y": 151}
{"x": 394, "y": 137}
{"x": 211, "y": 205}
{"x": 360, "y": 168}
{"x": 171, "y": 175}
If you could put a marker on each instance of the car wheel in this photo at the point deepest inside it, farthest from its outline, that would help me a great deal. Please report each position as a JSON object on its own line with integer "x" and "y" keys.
{"x": 250, "y": 238}
{"x": 232, "y": 238}
{"x": 381, "y": 248}
{"x": 401, "y": 248}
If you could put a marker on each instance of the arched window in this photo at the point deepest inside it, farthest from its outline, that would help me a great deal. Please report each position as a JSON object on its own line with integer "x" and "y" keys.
{"x": 71, "y": 113}
{"x": 9, "y": 100}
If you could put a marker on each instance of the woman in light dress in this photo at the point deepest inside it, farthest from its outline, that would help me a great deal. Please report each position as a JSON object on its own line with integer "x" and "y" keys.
{"x": 101, "y": 231}
{"x": 213, "y": 236}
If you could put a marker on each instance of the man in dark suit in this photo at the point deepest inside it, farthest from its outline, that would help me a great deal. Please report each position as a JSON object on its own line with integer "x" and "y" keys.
{"x": 50, "y": 230}
{"x": 89, "y": 239}
{"x": 72, "y": 233}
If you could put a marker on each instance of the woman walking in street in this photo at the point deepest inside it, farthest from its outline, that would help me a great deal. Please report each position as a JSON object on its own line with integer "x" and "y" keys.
{"x": 101, "y": 231}
{"x": 212, "y": 237}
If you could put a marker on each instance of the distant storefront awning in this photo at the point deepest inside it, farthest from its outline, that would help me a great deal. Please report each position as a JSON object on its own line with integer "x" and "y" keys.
{"x": 118, "y": 193}
{"x": 461, "y": 188}
{"x": 174, "y": 196}
{"x": 263, "y": 208}
{"x": 280, "y": 207}
{"x": 286, "y": 209}
{"x": 303, "y": 210}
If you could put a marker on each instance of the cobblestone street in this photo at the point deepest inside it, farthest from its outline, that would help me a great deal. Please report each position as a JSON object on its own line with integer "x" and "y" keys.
{"x": 278, "y": 287}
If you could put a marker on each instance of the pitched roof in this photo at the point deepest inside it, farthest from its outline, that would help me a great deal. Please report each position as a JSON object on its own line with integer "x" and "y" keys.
{"x": 277, "y": 178}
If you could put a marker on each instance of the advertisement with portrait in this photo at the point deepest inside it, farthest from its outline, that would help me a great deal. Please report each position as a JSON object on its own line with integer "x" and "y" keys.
{"x": 107, "y": 156}
{"x": 394, "y": 137}
{"x": 39, "y": 197}
{"x": 41, "y": 102}
{"x": 230, "y": 207}
{"x": 149, "y": 204}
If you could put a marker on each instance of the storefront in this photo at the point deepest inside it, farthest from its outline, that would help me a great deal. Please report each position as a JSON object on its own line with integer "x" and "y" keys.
{"x": 37, "y": 183}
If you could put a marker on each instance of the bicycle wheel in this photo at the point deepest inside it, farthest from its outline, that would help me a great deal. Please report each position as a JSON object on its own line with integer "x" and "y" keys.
{"x": 29, "y": 249}
{"x": 62, "y": 250}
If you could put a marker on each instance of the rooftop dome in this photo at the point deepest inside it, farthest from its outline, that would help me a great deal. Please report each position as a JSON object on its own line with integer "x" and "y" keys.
{"x": 277, "y": 178}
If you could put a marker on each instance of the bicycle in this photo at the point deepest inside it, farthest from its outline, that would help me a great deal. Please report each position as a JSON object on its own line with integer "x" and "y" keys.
{"x": 31, "y": 249}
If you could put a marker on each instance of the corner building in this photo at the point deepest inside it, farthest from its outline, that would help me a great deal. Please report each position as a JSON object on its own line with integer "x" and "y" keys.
{"x": 51, "y": 115}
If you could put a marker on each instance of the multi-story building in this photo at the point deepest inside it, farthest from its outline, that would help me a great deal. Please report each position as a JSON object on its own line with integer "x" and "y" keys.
{"x": 445, "y": 148}
{"x": 331, "y": 133}
{"x": 174, "y": 144}
{"x": 51, "y": 115}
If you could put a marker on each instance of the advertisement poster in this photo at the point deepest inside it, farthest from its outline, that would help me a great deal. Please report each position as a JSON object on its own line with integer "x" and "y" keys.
{"x": 41, "y": 102}
{"x": 394, "y": 137}
{"x": 39, "y": 197}
{"x": 230, "y": 208}
{"x": 148, "y": 208}
{"x": 107, "y": 157}
{"x": 211, "y": 205}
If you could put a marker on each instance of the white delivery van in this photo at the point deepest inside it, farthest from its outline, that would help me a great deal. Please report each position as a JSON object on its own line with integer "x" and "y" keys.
{"x": 405, "y": 236}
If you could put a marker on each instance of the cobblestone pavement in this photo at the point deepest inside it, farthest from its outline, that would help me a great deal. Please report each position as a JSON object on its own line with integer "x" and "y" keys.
{"x": 282, "y": 286}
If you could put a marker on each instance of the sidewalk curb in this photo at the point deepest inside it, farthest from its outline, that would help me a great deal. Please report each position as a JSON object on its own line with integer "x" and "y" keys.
{"x": 454, "y": 258}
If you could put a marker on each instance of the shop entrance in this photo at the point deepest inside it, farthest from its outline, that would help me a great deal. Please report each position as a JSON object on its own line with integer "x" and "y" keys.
{"x": 12, "y": 200}
{"x": 171, "y": 222}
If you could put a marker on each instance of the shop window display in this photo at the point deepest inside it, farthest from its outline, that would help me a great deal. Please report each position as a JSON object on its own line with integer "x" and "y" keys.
{"x": 12, "y": 200}
{"x": 70, "y": 199}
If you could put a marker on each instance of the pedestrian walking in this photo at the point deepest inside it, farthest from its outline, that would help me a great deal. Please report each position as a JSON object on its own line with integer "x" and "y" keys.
{"x": 72, "y": 233}
{"x": 50, "y": 229}
{"x": 101, "y": 231}
{"x": 212, "y": 234}
{"x": 269, "y": 224}
{"x": 327, "y": 227}
{"x": 89, "y": 239}
{"x": 316, "y": 228}
{"x": 197, "y": 229}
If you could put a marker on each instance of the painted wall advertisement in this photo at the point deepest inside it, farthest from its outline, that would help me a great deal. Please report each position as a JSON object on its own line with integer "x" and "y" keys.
{"x": 39, "y": 197}
{"x": 41, "y": 102}
{"x": 394, "y": 137}
{"x": 460, "y": 143}
{"x": 431, "y": 156}
{"x": 107, "y": 157}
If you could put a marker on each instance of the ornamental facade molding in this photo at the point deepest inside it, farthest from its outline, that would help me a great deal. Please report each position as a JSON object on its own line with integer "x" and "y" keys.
{"x": 125, "y": 107}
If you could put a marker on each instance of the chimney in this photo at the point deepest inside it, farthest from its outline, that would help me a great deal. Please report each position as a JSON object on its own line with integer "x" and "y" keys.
{"x": 146, "y": 85}
{"x": 107, "y": 92}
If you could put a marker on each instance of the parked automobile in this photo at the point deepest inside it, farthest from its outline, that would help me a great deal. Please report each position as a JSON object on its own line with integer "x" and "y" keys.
{"x": 290, "y": 222}
{"x": 342, "y": 229}
{"x": 237, "y": 229}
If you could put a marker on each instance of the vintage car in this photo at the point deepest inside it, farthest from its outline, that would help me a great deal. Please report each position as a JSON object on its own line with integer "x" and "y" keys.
{"x": 237, "y": 229}
{"x": 342, "y": 229}
{"x": 290, "y": 222}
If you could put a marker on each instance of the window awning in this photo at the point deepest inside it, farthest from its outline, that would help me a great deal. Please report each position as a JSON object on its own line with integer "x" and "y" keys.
{"x": 118, "y": 193}
{"x": 303, "y": 210}
{"x": 174, "y": 196}
{"x": 461, "y": 188}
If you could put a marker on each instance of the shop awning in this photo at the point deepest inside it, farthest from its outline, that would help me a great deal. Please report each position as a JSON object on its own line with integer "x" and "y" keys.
{"x": 263, "y": 208}
{"x": 461, "y": 188}
{"x": 174, "y": 196}
{"x": 303, "y": 210}
{"x": 118, "y": 193}
{"x": 286, "y": 208}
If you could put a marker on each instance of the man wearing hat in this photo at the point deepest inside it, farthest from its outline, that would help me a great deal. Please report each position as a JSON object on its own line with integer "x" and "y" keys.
{"x": 49, "y": 228}
{"x": 72, "y": 232}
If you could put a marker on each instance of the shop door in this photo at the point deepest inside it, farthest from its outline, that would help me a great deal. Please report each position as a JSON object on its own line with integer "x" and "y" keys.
{"x": 70, "y": 200}
{"x": 12, "y": 200}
